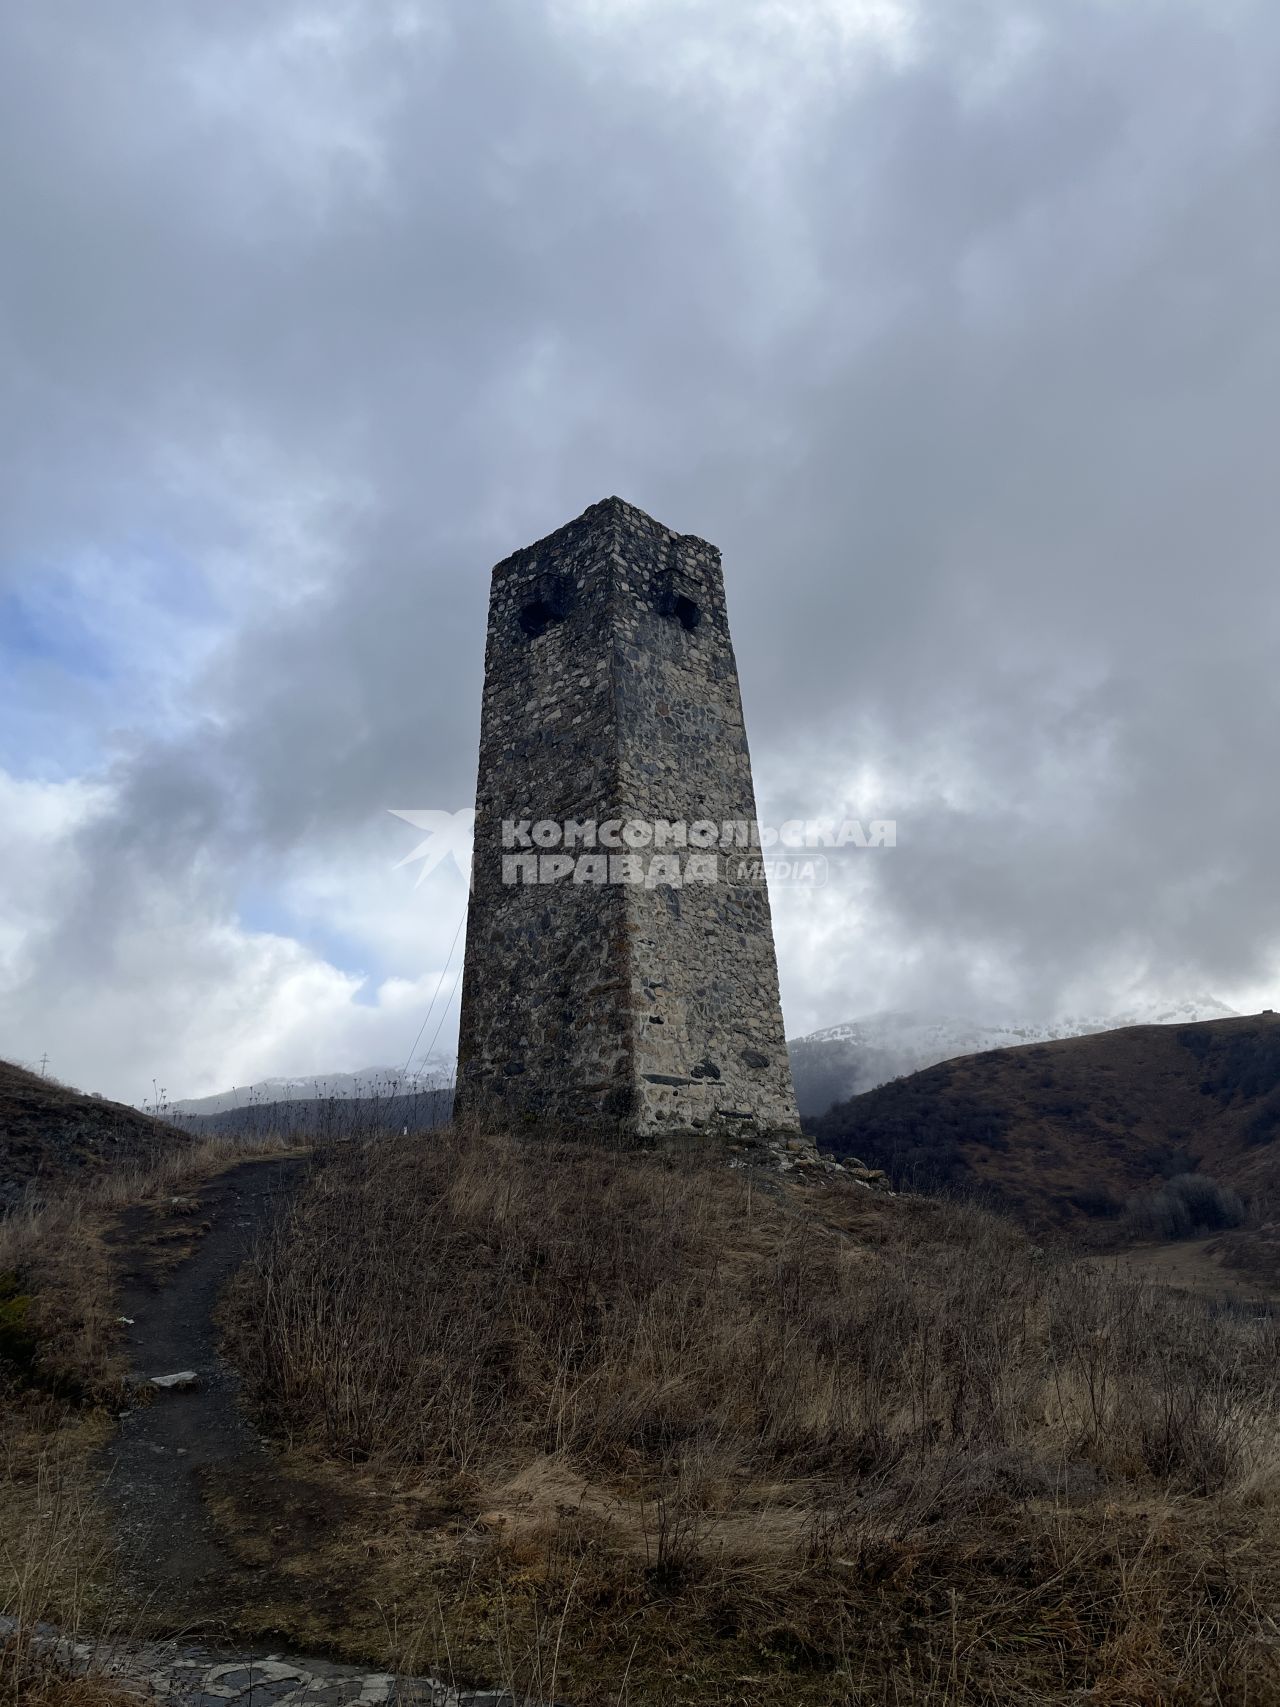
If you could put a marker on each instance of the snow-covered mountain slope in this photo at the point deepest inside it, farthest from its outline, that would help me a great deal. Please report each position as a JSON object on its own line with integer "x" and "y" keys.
{"x": 434, "y": 1073}
{"x": 843, "y": 1060}
{"x": 837, "y": 1062}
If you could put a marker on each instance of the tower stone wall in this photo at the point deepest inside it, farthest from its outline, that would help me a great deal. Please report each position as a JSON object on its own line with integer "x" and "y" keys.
{"x": 596, "y": 999}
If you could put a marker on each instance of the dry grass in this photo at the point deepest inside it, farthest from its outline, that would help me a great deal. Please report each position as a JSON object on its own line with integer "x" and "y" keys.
{"x": 60, "y": 1375}
{"x": 36, "y": 1684}
{"x": 677, "y": 1427}
{"x": 29, "y": 1226}
{"x": 55, "y": 1556}
{"x": 56, "y": 1268}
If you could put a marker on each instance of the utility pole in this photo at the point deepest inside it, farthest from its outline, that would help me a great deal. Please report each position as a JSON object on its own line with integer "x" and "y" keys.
{"x": 44, "y": 1062}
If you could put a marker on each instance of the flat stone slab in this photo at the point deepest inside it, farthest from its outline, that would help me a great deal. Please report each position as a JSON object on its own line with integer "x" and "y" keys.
{"x": 199, "y": 1677}
{"x": 182, "y": 1382}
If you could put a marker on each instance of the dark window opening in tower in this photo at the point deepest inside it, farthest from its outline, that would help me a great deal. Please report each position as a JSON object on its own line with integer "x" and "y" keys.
{"x": 678, "y": 597}
{"x": 535, "y": 617}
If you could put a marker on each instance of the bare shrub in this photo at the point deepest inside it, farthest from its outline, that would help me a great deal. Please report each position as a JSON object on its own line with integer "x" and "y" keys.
{"x": 1144, "y": 1378}
{"x": 1187, "y": 1205}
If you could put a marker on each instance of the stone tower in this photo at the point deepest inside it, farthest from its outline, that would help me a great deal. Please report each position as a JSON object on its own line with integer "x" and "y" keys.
{"x": 620, "y": 977}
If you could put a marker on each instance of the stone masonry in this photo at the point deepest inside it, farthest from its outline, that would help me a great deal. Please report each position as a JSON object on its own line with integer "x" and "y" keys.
{"x": 620, "y": 977}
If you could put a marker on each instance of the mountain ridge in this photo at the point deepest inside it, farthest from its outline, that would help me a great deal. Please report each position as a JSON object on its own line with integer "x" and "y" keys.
{"x": 855, "y": 1056}
{"x": 1069, "y": 1129}
{"x": 434, "y": 1074}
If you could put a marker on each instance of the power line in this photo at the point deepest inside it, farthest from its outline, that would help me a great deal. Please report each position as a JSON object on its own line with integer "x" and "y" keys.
{"x": 445, "y": 1010}
{"x": 439, "y": 986}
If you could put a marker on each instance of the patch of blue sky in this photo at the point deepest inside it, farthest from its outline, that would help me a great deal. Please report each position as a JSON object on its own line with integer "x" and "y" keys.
{"x": 176, "y": 585}
{"x": 35, "y": 629}
{"x": 150, "y": 611}
{"x": 102, "y": 640}
{"x": 56, "y": 690}
{"x": 259, "y": 910}
{"x": 40, "y": 743}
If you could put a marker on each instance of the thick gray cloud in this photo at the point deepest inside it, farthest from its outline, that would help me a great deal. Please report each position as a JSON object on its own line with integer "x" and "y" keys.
{"x": 954, "y": 325}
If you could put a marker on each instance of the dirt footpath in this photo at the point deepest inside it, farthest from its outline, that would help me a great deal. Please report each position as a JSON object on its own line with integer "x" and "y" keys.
{"x": 1196, "y": 1266}
{"x": 170, "y": 1441}
{"x": 176, "y": 1447}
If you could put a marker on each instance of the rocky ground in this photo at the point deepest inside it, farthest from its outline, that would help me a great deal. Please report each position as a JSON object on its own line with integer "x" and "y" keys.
{"x": 801, "y": 1157}
{"x": 190, "y": 1676}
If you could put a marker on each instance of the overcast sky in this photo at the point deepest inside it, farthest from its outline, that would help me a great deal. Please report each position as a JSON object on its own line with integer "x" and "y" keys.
{"x": 954, "y": 323}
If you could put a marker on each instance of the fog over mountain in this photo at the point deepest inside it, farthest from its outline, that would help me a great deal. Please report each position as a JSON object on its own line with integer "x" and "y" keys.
{"x": 836, "y": 1062}
{"x": 373, "y": 1082}
{"x": 843, "y": 1060}
{"x": 953, "y": 324}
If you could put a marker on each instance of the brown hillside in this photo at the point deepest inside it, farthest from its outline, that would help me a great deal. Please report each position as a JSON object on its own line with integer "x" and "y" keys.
{"x": 1064, "y": 1130}
{"x": 626, "y": 1427}
{"x": 49, "y": 1132}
